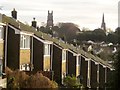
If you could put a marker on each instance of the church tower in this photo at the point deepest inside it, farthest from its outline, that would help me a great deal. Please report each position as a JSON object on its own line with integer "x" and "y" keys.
{"x": 50, "y": 19}
{"x": 103, "y": 25}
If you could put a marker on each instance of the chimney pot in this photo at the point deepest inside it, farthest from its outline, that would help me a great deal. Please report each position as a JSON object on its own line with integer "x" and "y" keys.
{"x": 14, "y": 13}
{"x": 34, "y": 23}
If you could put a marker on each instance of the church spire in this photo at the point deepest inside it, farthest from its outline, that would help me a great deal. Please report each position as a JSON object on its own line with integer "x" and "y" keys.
{"x": 103, "y": 25}
{"x": 103, "y": 19}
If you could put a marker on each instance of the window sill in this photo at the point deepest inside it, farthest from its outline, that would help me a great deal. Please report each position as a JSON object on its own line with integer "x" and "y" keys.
{"x": 25, "y": 48}
{"x": 46, "y": 55}
{"x": 63, "y": 61}
{"x": 1, "y": 40}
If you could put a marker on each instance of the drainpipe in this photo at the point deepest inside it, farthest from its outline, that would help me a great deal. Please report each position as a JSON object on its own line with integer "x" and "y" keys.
{"x": 89, "y": 74}
{"x": 31, "y": 61}
{"x": 105, "y": 74}
{"x": 51, "y": 57}
{"x": 66, "y": 62}
{"x": 52, "y": 72}
{"x": 6, "y": 36}
{"x": 105, "y": 77}
{"x": 98, "y": 68}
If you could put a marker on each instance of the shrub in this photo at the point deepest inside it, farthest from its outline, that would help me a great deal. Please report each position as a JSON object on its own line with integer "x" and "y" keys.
{"x": 71, "y": 82}
{"x": 19, "y": 79}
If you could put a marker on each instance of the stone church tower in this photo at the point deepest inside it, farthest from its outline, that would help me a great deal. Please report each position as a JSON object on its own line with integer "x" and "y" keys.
{"x": 103, "y": 25}
{"x": 50, "y": 19}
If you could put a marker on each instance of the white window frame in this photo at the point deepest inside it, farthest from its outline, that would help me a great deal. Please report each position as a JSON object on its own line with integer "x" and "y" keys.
{"x": 1, "y": 32}
{"x": 64, "y": 56}
{"x": 24, "y": 37}
{"x": 46, "y": 49}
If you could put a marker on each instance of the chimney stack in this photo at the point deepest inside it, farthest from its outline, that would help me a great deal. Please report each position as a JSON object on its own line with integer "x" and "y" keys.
{"x": 14, "y": 14}
{"x": 34, "y": 23}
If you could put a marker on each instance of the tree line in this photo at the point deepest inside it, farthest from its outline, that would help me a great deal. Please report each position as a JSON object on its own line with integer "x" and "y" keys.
{"x": 70, "y": 32}
{"x": 98, "y": 35}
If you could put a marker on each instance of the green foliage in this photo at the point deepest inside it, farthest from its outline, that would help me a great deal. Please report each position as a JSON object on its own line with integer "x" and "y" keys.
{"x": 67, "y": 31}
{"x": 117, "y": 70}
{"x": 117, "y": 32}
{"x": 71, "y": 82}
{"x": 96, "y": 35}
{"x": 114, "y": 78}
{"x": 112, "y": 37}
{"x": 19, "y": 79}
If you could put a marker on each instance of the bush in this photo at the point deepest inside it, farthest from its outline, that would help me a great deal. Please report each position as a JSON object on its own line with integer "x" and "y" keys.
{"x": 19, "y": 79}
{"x": 71, "y": 82}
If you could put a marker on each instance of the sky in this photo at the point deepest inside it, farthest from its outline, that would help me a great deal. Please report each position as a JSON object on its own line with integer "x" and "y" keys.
{"x": 84, "y": 13}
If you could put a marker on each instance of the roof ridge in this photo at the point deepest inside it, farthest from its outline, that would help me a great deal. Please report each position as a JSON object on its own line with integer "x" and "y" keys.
{"x": 45, "y": 36}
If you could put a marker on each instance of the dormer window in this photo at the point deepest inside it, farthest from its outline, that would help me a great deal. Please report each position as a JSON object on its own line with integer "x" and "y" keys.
{"x": 1, "y": 32}
{"x": 25, "y": 42}
{"x": 46, "y": 49}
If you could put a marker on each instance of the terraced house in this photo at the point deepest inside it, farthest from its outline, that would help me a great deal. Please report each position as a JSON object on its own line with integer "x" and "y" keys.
{"x": 23, "y": 47}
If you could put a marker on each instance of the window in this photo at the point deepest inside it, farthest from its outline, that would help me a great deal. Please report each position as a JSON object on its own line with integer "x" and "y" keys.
{"x": 25, "y": 41}
{"x": 1, "y": 32}
{"x": 47, "y": 49}
{"x": 64, "y": 55}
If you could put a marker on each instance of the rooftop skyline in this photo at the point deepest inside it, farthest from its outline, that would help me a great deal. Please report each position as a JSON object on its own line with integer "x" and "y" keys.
{"x": 84, "y": 13}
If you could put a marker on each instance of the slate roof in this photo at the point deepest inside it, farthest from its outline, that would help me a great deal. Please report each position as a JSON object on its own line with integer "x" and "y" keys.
{"x": 22, "y": 27}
